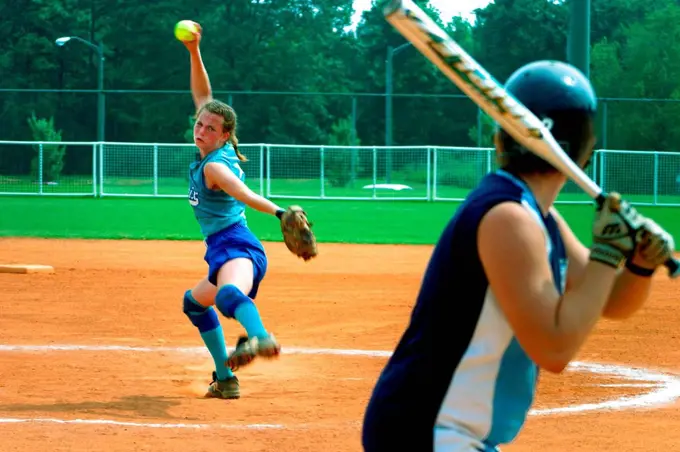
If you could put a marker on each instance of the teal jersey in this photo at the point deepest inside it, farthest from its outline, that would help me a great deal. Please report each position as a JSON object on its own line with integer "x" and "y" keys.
{"x": 214, "y": 209}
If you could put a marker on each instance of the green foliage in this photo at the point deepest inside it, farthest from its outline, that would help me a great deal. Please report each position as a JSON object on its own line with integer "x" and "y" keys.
{"x": 52, "y": 154}
{"x": 341, "y": 166}
{"x": 626, "y": 64}
{"x": 485, "y": 139}
{"x": 341, "y": 133}
{"x": 306, "y": 46}
{"x": 411, "y": 173}
{"x": 337, "y": 164}
{"x": 460, "y": 171}
{"x": 189, "y": 132}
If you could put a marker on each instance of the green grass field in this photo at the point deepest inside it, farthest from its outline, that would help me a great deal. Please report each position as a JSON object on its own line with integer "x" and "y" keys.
{"x": 177, "y": 186}
{"x": 383, "y": 222}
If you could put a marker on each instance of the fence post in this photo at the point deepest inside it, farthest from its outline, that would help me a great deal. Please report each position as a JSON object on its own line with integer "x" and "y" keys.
{"x": 353, "y": 139}
{"x": 489, "y": 158}
{"x": 656, "y": 178}
{"x": 155, "y": 170}
{"x": 434, "y": 174}
{"x": 375, "y": 170}
{"x": 261, "y": 170}
{"x": 101, "y": 169}
{"x": 595, "y": 167}
{"x": 40, "y": 168}
{"x": 269, "y": 172}
{"x": 94, "y": 169}
{"x": 321, "y": 177}
{"x": 602, "y": 169}
{"x": 429, "y": 175}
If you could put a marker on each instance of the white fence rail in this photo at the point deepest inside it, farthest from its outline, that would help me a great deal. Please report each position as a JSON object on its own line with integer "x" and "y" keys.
{"x": 309, "y": 172}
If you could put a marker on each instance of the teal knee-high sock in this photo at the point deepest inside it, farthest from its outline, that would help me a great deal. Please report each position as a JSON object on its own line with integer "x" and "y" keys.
{"x": 217, "y": 347}
{"x": 208, "y": 324}
{"x": 233, "y": 303}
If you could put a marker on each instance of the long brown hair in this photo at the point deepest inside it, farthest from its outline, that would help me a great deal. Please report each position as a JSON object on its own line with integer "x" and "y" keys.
{"x": 228, "y": 124}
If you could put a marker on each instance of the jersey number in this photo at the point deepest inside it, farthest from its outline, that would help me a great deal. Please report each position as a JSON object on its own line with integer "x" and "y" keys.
{"x": 193, "y": 197}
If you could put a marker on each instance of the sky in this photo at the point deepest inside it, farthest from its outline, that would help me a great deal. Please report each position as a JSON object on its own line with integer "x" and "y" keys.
{"x": 448, "y": 8}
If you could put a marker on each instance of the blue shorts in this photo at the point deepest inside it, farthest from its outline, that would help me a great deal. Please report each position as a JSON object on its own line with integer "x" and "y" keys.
{"x": 231, "y": 243}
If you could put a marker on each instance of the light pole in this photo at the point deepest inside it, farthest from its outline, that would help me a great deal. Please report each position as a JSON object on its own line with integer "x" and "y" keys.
{"x": 99, "y": 49}
{"x": 578, "y": 40}
{"x": 391, "y": 51}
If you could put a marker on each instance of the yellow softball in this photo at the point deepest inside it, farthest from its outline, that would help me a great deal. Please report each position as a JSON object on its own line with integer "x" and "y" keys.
{"x": 184, "y": 30}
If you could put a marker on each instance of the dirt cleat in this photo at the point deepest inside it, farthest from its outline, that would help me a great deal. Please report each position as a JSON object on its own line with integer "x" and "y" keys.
{"x": 247, "y": 349}
{"x": 223, "y": 389}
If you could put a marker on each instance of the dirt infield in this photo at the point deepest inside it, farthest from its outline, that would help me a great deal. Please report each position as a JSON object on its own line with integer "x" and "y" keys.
{"x": 99, "y": 356}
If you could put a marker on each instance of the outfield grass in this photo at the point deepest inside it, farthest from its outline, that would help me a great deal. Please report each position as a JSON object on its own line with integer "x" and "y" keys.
{"x": 144, "y": 218}
{"x": 407, "y": 222}
{"x": 175, "y": 186}
{"x": 178, "y": 186}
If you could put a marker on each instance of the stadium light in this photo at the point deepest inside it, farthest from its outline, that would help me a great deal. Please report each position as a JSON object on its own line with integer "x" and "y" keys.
{"x": 99, "y": 50}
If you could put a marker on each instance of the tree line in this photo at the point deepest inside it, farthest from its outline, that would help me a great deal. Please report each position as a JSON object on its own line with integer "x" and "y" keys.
{"x": 307, "y": 47}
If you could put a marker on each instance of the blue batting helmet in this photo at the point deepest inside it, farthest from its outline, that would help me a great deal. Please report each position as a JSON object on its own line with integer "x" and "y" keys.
{"x": 564, "y": 99}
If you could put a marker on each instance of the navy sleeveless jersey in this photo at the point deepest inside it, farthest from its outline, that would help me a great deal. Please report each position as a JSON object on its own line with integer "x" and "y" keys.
{"x": 458, "y": 379}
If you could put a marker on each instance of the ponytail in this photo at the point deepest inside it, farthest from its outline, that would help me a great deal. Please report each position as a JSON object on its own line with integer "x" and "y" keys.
{"x": 234, "y": 142}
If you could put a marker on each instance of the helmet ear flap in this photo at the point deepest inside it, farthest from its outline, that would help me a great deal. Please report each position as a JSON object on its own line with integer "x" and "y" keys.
{"x": 573, "y": 130}
{"x": 548, "y": 122}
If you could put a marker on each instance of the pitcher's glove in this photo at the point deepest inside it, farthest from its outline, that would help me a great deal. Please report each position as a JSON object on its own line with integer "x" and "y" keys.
{"x": 297, "y": 232}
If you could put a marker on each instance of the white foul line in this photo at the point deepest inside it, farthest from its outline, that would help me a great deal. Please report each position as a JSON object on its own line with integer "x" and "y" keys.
{"x": 198, "y": 350}
{"x": 141, "y": 424}
{"x": 665, "y": 387}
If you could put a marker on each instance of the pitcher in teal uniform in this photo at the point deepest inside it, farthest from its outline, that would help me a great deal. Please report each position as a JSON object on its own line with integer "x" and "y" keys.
{"x": 236, "y": 259}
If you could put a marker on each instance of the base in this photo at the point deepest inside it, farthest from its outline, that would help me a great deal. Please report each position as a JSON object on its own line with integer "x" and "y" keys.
{"x": 17, "y": 268}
